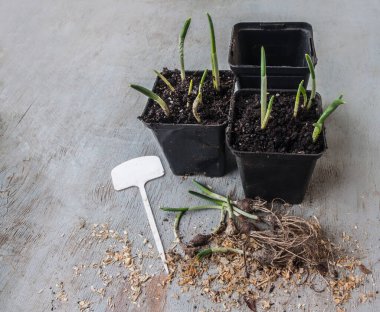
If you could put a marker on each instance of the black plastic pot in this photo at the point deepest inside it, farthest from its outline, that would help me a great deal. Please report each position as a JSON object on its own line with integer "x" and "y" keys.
{"x": 191, "y": 148}
{"x": 285, "y": 46}
{"x": 274, "y": 175}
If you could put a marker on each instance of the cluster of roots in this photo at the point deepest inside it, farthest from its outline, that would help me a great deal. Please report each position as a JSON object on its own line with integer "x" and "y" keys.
{"x": 280, "y": 239}
{"x": 258, "y": 246}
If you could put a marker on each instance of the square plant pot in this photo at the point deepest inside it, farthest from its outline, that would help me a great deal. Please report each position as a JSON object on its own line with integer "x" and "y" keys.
{"x": 285, "y": 45}
{"x": 191, "y": 148}
{"x": 271, "y": 175}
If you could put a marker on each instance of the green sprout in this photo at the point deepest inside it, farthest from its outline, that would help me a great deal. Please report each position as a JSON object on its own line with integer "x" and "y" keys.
{"x": 265, "y": 110}
{"x": 162, "y": 77}
{"x": 214, "y": 56}
{"x": 318, "y": 126}
{"x": 301, "y": 90}
{"x": 182, "y": 37}
{"x": 313, "y": 85}
{"x": 190, "y": 87}
{"x": 207, "y": 191}
{"x": 198, "y": 99}
{"x": 189, "y": 93}
{"x": 267, "y": 114}
{"x": 153, "y": 96}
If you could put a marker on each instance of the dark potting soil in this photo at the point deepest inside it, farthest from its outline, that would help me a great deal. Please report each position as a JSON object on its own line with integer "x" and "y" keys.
{"x": 283, "y": 134}
{"x": 213, "y": 110}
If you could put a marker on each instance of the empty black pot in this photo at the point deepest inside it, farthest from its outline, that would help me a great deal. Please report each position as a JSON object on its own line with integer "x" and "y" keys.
{"x": 274, "y": 175}
{"x": 285, "y": 45}
{"x": 191, "y": 148}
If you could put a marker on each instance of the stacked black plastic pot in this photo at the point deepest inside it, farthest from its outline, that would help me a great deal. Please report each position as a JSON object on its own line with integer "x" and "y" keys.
{"x": 285, "y": 45}
{"x": 200, "y": 149}
{"x": 272, "y": 175}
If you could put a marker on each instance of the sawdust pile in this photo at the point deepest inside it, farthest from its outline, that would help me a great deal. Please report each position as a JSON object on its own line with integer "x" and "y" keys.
{"x": 118, "y": 257}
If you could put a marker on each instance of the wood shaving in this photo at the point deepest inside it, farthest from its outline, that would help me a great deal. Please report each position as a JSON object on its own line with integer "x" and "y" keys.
{"x": 61, "y": 294}
{"x": 266, "y": 305}
{"x": 84, "y": 305}
{"x": 365, "y": 297}
{"x": 99, "y": 291}
{"x": 110, "y": 303}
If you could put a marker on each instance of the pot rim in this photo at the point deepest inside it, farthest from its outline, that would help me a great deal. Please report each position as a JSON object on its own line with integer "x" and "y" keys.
{"x": 257, "y": 26}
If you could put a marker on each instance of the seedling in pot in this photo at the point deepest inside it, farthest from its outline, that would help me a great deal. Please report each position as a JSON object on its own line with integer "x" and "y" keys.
{"x": 214, "y": 57}
{"x": 313, "y": 82}
{"x": 190, "y": 90}
{"x": 265, "y": 109}
{"x": 318, "y": 126}
{"x": 190, "y": 87}
{"x": 162, "y": 77}
{"x": 198, "y": 99}
{"x": 153, "y": 96}
{"x": 300, "y": 90}
{"x": 181, "y": 43}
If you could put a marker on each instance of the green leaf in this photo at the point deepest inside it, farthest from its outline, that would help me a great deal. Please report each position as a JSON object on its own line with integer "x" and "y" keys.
{"x": 304, "y": 95}
{"x": 176, "y": 224}
{"x": 150, "y": 94}
{"x": 263, "y": 96}
{"x": 204, "y": 189}
{"x": 318, "y": 126}
{"x": 246, "y": 214}
{"x": 196, "y": 103}
{"x": 181, "y": 44}
{"x": 313, "y": 81}
{"x": 214, "y": 56}
{"x": 204, "y": 253}
{"x": 174, "y": 209}
{"x": 162, "y": 77}
{"x": 184, "y": 209}
{"x": 267, "y": 114}
{"x": 297, "y": 102}
{"x": 190, "y": 87}
{"x": 198, "y": 99}
{"x": 263, "y": 62}
{"x": 311, "y": 66}
{"x": 229, "y": 208}
{"x": 203, "y": 196}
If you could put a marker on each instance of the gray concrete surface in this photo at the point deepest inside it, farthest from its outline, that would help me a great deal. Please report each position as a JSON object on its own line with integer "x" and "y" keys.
{"x": 67, "y": 117}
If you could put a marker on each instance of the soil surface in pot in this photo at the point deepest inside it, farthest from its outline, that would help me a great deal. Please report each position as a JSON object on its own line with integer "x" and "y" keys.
{"x": 213, "y": 110}
{"x": 283, "y": 134}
